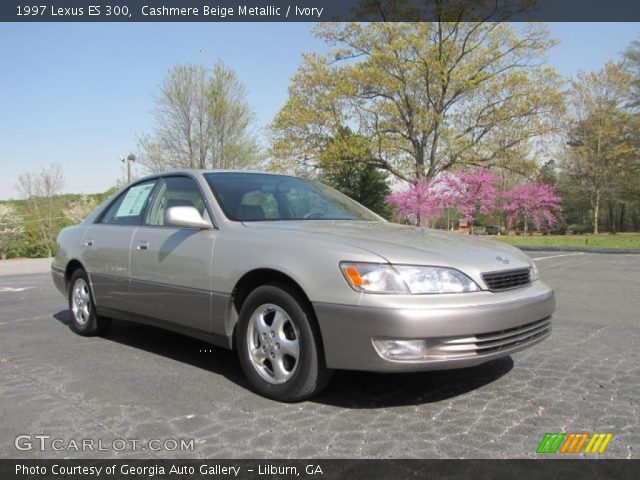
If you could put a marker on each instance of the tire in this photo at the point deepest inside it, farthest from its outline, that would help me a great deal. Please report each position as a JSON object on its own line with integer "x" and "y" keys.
{"x": 278, "y": 344}
{"x": 84, "y": 320}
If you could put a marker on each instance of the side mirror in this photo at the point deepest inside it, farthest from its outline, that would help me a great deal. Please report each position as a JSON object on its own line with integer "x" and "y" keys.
{"x": 187, "y": 217}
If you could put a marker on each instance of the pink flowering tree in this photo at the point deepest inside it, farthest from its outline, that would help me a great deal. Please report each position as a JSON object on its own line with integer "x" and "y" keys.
{"x": 471, "y": 192}
{"x": 468, "y": 193}
{"x": 447, "y": 199}
{"x": 420, "y": 199}
{"x": 532, "y": 202}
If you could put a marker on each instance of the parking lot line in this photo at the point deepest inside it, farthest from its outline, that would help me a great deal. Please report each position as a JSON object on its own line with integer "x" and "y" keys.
{"x": 43, "y": 317}
{"x": 13, "y": 289}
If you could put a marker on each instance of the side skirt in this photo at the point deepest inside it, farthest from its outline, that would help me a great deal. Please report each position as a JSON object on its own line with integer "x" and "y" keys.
{"x": 215, "y": 339}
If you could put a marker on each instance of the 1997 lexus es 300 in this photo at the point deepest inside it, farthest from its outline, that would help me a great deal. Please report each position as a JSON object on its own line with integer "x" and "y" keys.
{"x": 298, "y": 278}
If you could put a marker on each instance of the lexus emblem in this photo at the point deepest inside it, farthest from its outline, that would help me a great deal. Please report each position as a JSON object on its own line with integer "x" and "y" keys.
{"x": 504, "y": 260}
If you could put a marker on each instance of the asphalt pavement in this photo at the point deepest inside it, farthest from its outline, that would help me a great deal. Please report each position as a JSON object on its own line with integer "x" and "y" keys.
{"x": 143, "y": 383}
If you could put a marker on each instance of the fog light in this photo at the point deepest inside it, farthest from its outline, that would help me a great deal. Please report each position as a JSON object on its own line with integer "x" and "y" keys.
{"x": 401, "y": 349}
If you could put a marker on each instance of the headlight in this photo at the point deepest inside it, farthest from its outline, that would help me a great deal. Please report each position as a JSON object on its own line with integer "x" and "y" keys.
{"x": 373, "y": 278}
{"x": 436, "y": 280}
{"x": 385, "y": 278}
{"x": 535, "y": 274}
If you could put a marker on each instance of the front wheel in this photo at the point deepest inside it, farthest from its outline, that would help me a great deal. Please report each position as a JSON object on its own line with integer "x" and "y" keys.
{"x": 84, "y": 320}
{"x": 279, "y": 345}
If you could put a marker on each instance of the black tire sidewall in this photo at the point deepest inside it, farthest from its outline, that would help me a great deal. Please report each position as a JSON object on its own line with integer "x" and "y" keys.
{"x": 305, "y": 379}
{"x": 91, "y": 327}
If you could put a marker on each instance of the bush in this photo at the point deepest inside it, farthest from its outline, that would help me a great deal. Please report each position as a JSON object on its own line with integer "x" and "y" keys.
{"x": 579, "y": 228}
{"x": 560, "y": 229}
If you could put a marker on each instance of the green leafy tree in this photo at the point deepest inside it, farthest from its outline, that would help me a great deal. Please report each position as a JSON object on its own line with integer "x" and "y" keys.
{"x": 364, "y": 183}
{"x": 202, "y": 120}
{"x": 343, "y": 167}
{"x": 628, "y": 195}
{"x": 602, "y": 148}
{"x": 11, "y": 229}
{"x": 41, "y": 191}
{"x": 546, "y": 173}
{"x": 632, "y": 64}
{"x": 424, "y": 96}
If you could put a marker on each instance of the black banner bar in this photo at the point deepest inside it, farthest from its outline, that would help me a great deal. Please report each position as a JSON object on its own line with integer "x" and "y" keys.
{"x": 318, "y": 10}
{"x": 317, "y": 469}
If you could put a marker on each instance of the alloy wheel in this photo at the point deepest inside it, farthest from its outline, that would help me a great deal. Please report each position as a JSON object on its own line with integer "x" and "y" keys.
{"x": 273, "y": 342}
{"x": 81, "y": 302}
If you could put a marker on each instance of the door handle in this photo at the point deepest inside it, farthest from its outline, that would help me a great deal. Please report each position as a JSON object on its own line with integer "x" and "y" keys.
{"x": 143, "y": 245}
{"x": 88, "y": 243}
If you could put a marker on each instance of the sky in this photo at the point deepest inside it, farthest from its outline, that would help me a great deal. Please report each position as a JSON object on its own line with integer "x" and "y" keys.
{"x": 81, "y": 94}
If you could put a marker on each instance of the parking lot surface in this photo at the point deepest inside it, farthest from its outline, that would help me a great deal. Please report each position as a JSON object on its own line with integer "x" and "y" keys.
{"x": 144, "y": 383}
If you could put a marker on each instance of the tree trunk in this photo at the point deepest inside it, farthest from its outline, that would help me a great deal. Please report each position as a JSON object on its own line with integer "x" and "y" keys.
{"x": 525, "y": 225}
{"x": 621, "y": 225}
{"x": 596, "y": 213}
{"x": 419, "y": 149}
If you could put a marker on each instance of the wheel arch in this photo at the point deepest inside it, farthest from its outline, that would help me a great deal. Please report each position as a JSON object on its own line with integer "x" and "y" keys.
{"x": 70, "y": 269}
{"x": 256, "y": 278}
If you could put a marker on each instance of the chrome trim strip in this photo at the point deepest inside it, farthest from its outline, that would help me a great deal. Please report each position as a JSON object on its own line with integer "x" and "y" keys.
{"x": 480, "y": 338}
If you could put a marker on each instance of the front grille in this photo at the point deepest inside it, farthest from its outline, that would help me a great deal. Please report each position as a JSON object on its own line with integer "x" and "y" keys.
{"x": 507, "y": 279}
{"x": 486, "y": 343}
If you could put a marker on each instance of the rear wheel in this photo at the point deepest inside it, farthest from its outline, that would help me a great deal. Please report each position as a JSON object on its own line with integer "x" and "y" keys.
{"x": 279, "y": 345}
{"x": 84, "y": 319}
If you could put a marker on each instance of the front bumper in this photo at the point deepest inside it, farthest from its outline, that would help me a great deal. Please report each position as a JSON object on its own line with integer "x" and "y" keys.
{"x": 460, "y": 333}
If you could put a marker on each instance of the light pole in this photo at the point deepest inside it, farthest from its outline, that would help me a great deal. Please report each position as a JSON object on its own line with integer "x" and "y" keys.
{"x": 128, "y": 160}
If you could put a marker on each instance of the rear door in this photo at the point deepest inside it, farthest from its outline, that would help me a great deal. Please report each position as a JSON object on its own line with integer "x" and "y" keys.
{"x": 107, "y": 246}
{"x": 171, "y": 267}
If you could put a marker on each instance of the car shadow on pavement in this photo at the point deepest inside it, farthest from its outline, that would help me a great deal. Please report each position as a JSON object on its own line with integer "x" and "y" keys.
{"x": 175, "y": 346}
{"x": 365, "y": 390}
{"x": 347, "y": 389}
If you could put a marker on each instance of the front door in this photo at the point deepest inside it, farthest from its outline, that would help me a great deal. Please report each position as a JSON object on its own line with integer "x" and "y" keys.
{"x": 171, "y": 267}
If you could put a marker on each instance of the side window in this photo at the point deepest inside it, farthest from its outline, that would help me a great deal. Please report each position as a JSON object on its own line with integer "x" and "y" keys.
{"x": 174, "y": 192}
{"x": 128, "y": 208}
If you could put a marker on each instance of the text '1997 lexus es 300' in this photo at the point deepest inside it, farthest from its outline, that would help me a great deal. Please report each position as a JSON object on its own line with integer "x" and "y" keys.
{"x": 298, "y": 278}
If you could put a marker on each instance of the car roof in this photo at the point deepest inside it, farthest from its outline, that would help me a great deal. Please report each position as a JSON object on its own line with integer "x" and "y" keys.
{"x": 191, "y": 171}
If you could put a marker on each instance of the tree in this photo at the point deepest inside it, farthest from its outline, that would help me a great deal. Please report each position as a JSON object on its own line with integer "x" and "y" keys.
{"x": 532, "y": 202}
{"x": 632, "y": 64}
{"x": 628, "y": 194}
{"x": 202, "y": 120}
{"x": 602, "y": 147}
{"x": 78, "y": 210}
{"x": 41, "y": 191}
{"x": 419, "y": 199}
{"x": 546, "y": 173}
{"x": 468, "y": 192}
{"x": 362, "y": 182}
{"x": 11, "y": 228}
{"x": 471, "y": 192}
{"x": 426, "y": 96}
{"x": 352, "y": 175}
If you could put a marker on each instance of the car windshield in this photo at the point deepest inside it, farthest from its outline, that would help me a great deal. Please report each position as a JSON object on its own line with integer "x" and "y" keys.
{"x": 254, "y": 197}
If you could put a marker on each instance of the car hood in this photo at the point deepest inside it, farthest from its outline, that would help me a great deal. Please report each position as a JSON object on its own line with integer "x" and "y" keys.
{"x": 404, "y": 244}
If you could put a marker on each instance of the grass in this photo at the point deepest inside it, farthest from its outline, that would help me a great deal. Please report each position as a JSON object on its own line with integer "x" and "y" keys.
{"x": 605, "y": 240}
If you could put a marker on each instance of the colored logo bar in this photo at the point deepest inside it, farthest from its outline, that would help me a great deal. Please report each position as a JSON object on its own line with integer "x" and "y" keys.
{"x": 574, "y": 442}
